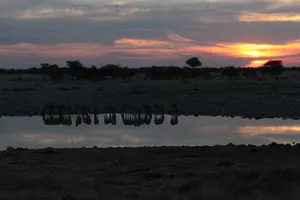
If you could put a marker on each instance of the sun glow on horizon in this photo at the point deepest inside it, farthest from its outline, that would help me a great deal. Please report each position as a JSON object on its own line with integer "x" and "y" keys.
{"x": 254, "y": 54}
{"x": 256, "y": 50}
{"x": 256, "y": 63}
{"x": 261, "y": 130}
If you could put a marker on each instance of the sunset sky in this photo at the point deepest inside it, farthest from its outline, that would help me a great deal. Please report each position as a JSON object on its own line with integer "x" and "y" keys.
{"x": 149, "y": 32}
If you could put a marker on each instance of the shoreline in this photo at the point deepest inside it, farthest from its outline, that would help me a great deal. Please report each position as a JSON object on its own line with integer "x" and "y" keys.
{"x": 50, "y": 150}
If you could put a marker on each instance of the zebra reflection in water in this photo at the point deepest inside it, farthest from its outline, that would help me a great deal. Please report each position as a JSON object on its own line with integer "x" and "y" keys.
{"x": 57, "y": 115}
{"x": 136, "y": 116}
{"x": 110, "y": 115}
{"x": 174, "y": 114}
{"x": 159, "y": 116}
{"x": 84, "y": 116}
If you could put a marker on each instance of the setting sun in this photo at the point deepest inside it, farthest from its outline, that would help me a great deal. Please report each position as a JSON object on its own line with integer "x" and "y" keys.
{"x": 253, "y": 53}
{"x": 260, "y": 50}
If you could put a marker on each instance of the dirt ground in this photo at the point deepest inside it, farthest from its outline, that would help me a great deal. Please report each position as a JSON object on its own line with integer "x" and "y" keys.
{"x": 208, "y": 173}
{"x": 212, "y": 97}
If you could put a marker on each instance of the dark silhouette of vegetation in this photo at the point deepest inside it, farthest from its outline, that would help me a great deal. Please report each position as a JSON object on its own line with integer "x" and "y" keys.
{"x": 273, "y": 67}
{"x": 76, "y": 70}
{"x": 230, "y": 72}
{"x": 54, "y": 73}
{"x": 193, "y": 62}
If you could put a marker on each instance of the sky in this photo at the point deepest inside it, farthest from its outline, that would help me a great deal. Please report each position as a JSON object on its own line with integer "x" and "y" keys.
{"x": 138, "y": 33}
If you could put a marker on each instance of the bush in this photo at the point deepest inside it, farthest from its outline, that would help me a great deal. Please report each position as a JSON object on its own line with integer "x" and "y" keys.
{"x": 56, "y": 75}
{"x": 230, "y": 72}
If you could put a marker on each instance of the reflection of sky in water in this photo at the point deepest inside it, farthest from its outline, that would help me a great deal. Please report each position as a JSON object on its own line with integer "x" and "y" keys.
{"x": 33, "y": 133}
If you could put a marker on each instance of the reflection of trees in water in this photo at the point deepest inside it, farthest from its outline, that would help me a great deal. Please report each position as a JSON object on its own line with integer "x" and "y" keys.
{"x": 131, "y": 115}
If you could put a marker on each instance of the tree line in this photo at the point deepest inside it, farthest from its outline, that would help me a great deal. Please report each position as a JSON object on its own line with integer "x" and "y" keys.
{"x": 194, "y": 69}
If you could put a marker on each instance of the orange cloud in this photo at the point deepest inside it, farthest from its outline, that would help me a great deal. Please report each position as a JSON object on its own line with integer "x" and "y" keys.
{"x": 178, "y": 38}
{"x": 269, "y": 17}
{"x": 161, "y": 49}
{"x": 127, "y": 42}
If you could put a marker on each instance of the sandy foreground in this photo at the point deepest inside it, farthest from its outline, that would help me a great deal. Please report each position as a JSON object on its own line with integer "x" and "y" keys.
{"x": 160, "y": 173}
{"x": 246, "y": 98}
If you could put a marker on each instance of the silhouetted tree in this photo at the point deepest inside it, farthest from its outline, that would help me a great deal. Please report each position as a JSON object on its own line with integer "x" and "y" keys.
{"x": 193, "y": 62}
{"x": 76, "y": 68}
{"x": 273, "y": 67}
{"x": 45, "y": 65}
{"x": 94, "y": 68}
{"x": 45, "y": 68}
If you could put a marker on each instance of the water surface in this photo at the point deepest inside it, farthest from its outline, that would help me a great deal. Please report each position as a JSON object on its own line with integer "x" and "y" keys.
{"x": 32, "y": 132}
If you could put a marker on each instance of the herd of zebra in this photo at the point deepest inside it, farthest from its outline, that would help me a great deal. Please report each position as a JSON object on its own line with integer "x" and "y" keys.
{"x": 131, "y": 115}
